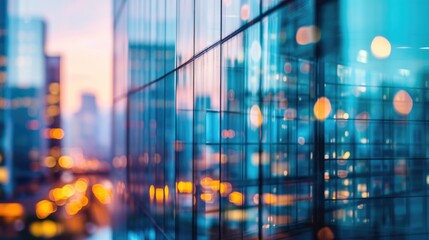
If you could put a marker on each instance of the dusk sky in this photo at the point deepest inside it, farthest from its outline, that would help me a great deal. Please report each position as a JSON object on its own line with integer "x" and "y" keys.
{"x": 81, "y": 32}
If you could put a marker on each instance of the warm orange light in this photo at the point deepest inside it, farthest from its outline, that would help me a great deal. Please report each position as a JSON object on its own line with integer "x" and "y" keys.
{"x": 84, "y": 201}
{"x": 256, "y": 116}
{"x": 4, "y": 175}
{"x": 81, "y": 185}
{"x": 380, "y": 47}
{"x": 73, "y": 207}
{"x": 52, "y": 110}
{"x": 307, "y": 34}
{"x": 325, "y": 233}
{"x": 151, "y": 192}
{"x": 278, "y": 200}
{"x": 207, "y": 197}
{"x": 184, "y": 187}
{"x": 402, "y": 102}
{"x": 54, "y": 88}
{"x": 159, "y": 195}
{"x": 225, "y": 188}
{"x": 103, "y": 194}
{"x": 45, "y": 229}
{"x": 68, "y": 190}
{"x": 322, "y": 108}
{"x": 11, "y": 210}
{"x": 44, "y": 208}
{"x": 166, "y": 192}
{"x": 50, "y": 162}
{"x": 52, "y": 99}
{"x": 236, "y": 198}
{"x": 65, "y": 162}
{"x": 56, "y": 133}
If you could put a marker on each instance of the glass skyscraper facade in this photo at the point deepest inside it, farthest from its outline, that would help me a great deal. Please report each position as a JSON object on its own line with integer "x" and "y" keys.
{"x": 270, "y": 119}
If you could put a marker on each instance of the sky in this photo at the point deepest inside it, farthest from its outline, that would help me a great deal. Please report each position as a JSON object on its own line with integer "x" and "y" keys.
{"x": 81, "y": 32}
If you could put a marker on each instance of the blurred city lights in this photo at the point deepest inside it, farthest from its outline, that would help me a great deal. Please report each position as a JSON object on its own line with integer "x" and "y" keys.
{"x": 307, "y": 35}
{"x": 402, "y": 102}
{"x": 11, "y": 210}
{"x": 184, "y": 187}
{"x": 45, "y": 208}
{"x": 236, "y": 198}
{"x": 322, "y": 108}
{"x": 65, "y": 162}
{"x": 380, "y": 47}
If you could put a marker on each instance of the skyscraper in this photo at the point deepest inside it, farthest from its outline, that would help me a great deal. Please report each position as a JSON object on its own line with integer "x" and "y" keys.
{"x": 53, "y": 131}
{"x": 5, "y": 134}
{"x": 85, "y": 127}
{"x": 26, "y": 81}
{"x": 277, "y": 119}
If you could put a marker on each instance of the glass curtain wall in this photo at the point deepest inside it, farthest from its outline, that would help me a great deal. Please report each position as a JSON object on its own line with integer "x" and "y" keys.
{"x": 270, "y": 119}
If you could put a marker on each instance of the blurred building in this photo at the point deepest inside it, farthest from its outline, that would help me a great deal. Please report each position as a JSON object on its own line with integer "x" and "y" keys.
{"x": 53, "y": 131}
{"x": 270, "y": 119}
{"x": 86, "y": 127}
{"x": 26, "y": 80}
{"x": 5, "y": 133}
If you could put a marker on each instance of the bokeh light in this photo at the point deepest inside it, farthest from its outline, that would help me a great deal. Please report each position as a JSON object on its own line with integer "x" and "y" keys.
{"x": 402, "y": 102}
{"x": 307, "y": 35}
{"x": 256, "y": 118}
{"x": 380, "y": 47}
{"x": 322, "y": 108}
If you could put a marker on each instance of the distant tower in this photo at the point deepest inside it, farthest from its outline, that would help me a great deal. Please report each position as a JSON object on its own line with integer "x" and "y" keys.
{"x": 85, "y": 126}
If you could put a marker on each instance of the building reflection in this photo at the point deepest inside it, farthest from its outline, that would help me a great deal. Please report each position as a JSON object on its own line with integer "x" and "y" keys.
{"x": 276, "y": 120}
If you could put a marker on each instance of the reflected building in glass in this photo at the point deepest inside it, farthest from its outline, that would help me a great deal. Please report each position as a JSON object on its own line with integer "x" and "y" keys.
{"x": 270, "y": 119}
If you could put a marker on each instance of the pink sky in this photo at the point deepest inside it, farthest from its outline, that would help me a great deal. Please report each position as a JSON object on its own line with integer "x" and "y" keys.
{"x": 81, "y": 32}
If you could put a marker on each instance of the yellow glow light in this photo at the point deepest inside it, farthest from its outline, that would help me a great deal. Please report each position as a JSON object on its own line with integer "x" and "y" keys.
{"x": 101, "y": 193}
{"x": 207, "y": 197}
{"x": 159, "y": 195}
{"x": 346, "y": 155}
{"x": 68, "y": 190}
{"x": 236, "y": 198}
{"x": 184, "y": 187}
{"x": 4, "y": 175}
{"x": 166, "y": 192}
{"x": 151, "y": 192}
{"x": 225, "y": 188}
{"x": 65, "y": 162}
{"x": 44, "y": 208}
{"x": 380, "y": 47}
{"x": 81, "y": 185}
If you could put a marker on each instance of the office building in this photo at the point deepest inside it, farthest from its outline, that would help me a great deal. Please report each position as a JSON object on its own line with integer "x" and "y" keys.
{"x": 5, "y": 151}
{"x": 53, "y": 131}
{"x": 26, "y": 81}
{"x": 277, "y": 119}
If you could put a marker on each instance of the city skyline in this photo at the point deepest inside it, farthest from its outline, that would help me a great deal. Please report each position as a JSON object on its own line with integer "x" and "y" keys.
{"x": 84, "y": 45}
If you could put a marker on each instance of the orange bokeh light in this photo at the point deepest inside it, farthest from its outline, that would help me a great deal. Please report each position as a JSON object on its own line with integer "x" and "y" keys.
{"x": 402, "y": 102}
{"x": 322, "y": 108}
